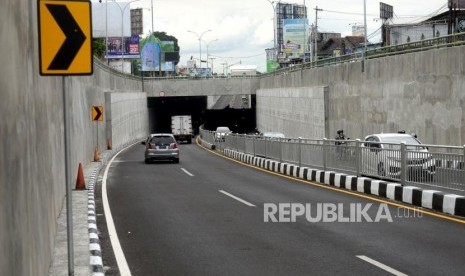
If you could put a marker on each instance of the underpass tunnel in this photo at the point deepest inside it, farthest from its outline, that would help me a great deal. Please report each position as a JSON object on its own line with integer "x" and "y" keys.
{"x": 238, "y": 112}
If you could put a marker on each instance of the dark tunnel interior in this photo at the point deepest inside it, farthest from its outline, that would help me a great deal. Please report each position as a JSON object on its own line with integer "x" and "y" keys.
{"x": 162, "y": 108}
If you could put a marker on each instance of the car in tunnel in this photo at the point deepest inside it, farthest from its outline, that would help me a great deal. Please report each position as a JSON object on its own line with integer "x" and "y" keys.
{"x": 221, "y": 133}
{"x": 161, "y": 146}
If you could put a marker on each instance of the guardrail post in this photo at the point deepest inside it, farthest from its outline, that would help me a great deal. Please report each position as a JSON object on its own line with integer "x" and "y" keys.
{"x": 358, "y": 155}
{"x": 253, "y": 145}
{"x": 324, "y": 154}
{"x": 463, "y": 165}
{"x": 300, "y": 152}
{"x": 403, "y": 162}
{"x": 237, "y": 141}
{"x": 280, "y": 150}
{"x": 266, "y": 147}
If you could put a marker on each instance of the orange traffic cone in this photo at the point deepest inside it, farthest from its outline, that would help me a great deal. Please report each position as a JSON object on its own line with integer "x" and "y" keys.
{"x": 96, "y": 155}
{"x": 80, "y": 183}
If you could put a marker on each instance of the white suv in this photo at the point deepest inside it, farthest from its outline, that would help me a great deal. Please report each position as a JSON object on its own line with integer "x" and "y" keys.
{"x": 381, "y": 156}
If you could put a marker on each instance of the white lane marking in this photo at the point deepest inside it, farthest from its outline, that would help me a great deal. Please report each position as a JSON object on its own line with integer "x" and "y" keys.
{"x": 188, "y": 173}
{"x": 128, "y": 161}
{"x": 119, "y": 255}
{"x": 380, "y": 265}
{"x": 236, "y": 198}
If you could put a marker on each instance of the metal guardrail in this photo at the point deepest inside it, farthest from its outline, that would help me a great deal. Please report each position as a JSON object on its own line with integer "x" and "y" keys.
{"x": 430, "y": 165}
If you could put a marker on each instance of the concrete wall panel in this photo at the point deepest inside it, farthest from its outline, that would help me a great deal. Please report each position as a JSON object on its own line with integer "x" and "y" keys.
{"x": 420, "y": 92}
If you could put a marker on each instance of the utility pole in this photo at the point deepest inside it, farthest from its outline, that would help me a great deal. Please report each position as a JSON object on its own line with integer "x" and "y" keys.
{"x": 316, "y": 32}
{"x": 305, "y": 42}
{"x": 212, "y": 59}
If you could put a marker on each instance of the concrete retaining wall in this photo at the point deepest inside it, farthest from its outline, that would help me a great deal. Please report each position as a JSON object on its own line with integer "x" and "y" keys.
{"x": 421, "y": 92}
{"x": 32, "y": 182}
{"x": 292, "y": 110}
{"x": 127, "y": 119}
{"x": 206, "y": 87}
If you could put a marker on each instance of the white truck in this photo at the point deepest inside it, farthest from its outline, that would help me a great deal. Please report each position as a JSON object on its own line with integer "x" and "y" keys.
{"x": 181, "y": 128}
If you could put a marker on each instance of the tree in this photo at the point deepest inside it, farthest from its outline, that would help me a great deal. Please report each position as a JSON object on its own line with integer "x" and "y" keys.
{"x": 98, "y": 47}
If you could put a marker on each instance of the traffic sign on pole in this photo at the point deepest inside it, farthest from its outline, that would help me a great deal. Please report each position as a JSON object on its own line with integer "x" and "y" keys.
{"x": 65, "y": 37}
{"x": 97, "y": 113}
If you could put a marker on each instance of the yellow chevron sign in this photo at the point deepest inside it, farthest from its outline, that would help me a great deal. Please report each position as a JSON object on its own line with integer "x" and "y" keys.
{"x": 65, "y": 37}
{"x": 97, "y": 113}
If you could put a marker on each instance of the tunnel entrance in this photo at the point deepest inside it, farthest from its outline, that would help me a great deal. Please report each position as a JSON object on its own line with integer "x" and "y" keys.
{"x": 241, "y": 120}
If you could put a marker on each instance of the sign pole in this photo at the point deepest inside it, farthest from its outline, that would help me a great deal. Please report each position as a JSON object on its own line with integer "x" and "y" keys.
{"x": 96, "y": 124}
{"x": 69, "y": 200}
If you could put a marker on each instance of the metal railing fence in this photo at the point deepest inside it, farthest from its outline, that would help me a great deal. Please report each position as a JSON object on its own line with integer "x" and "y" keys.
{"x": 431, "y": 165}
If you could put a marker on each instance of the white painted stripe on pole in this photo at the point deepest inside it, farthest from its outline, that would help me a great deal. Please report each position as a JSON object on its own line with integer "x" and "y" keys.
{"x": 188, "y": 173}
{"x": 236, "y": 198}
{"x": 382, "y": 266}
{"x": 117, "y": 250}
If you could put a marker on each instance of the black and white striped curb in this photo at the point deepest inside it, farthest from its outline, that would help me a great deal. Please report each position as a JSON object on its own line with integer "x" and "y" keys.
{"x": 96, "y": 262}
{"x": 446, "y": 203}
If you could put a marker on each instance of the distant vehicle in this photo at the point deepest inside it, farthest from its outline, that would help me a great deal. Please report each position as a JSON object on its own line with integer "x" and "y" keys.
{"x": 181, "y": 127}
{"x": 221, "y": 133}
{"x": 161, "y": 146}
{"x": 275, "y": 135}
{"x": 381, "y": 156}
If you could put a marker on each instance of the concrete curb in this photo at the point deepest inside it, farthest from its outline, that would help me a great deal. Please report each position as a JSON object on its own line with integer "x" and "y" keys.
{"x": 96, "y": 261}
{"x": 206, "y": 144}
{"x": 446, "y": 203}
{"x": 87, "y": 251}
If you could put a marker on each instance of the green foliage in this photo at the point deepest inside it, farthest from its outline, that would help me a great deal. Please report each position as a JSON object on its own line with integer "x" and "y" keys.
{"x": 98, "y": 47}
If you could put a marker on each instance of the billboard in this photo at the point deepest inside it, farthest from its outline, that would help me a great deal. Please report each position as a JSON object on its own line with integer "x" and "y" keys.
{"x": 137, "y": 21}
{"x": 295, "y": 37}
{"x": 457, "y": 4}
{"x": 131, "y": 47}
{"x": 385, "y": 11}
{"x": 271, "y": 66}
{"x": 153, "y": 55}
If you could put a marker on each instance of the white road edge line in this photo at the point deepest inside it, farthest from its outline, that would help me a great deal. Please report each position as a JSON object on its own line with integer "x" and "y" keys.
{"x": 236, "y": 198}
{"x": 380, "y": 265}
{"x": 188, "y": 173}
{"x": 119, "y": 255}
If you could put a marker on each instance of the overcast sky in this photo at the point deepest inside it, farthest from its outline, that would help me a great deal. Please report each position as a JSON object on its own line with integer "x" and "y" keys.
{"x": 244, "y": 28}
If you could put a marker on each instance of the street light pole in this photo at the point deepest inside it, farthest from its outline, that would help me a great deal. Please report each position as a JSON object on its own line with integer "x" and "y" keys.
{"x": 200, "y": 45}
{"x": 106, "y": 31}
{"x": 274, "y": 27}
{"x": 208, "y": 44}
{"x": 304, "y": 43}
{"x": 153, "y": 30}
{"x": 365, "y": 23}
{"x": 122, "y": 30}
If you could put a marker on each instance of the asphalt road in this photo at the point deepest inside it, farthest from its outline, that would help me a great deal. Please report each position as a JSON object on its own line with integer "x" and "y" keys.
{"x": 172, "y": 223}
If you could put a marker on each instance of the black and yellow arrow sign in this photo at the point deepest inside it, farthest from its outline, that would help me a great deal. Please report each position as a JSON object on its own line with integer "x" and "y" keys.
{"x": 97, "y": 113}
{"x": 65, "y": 37}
